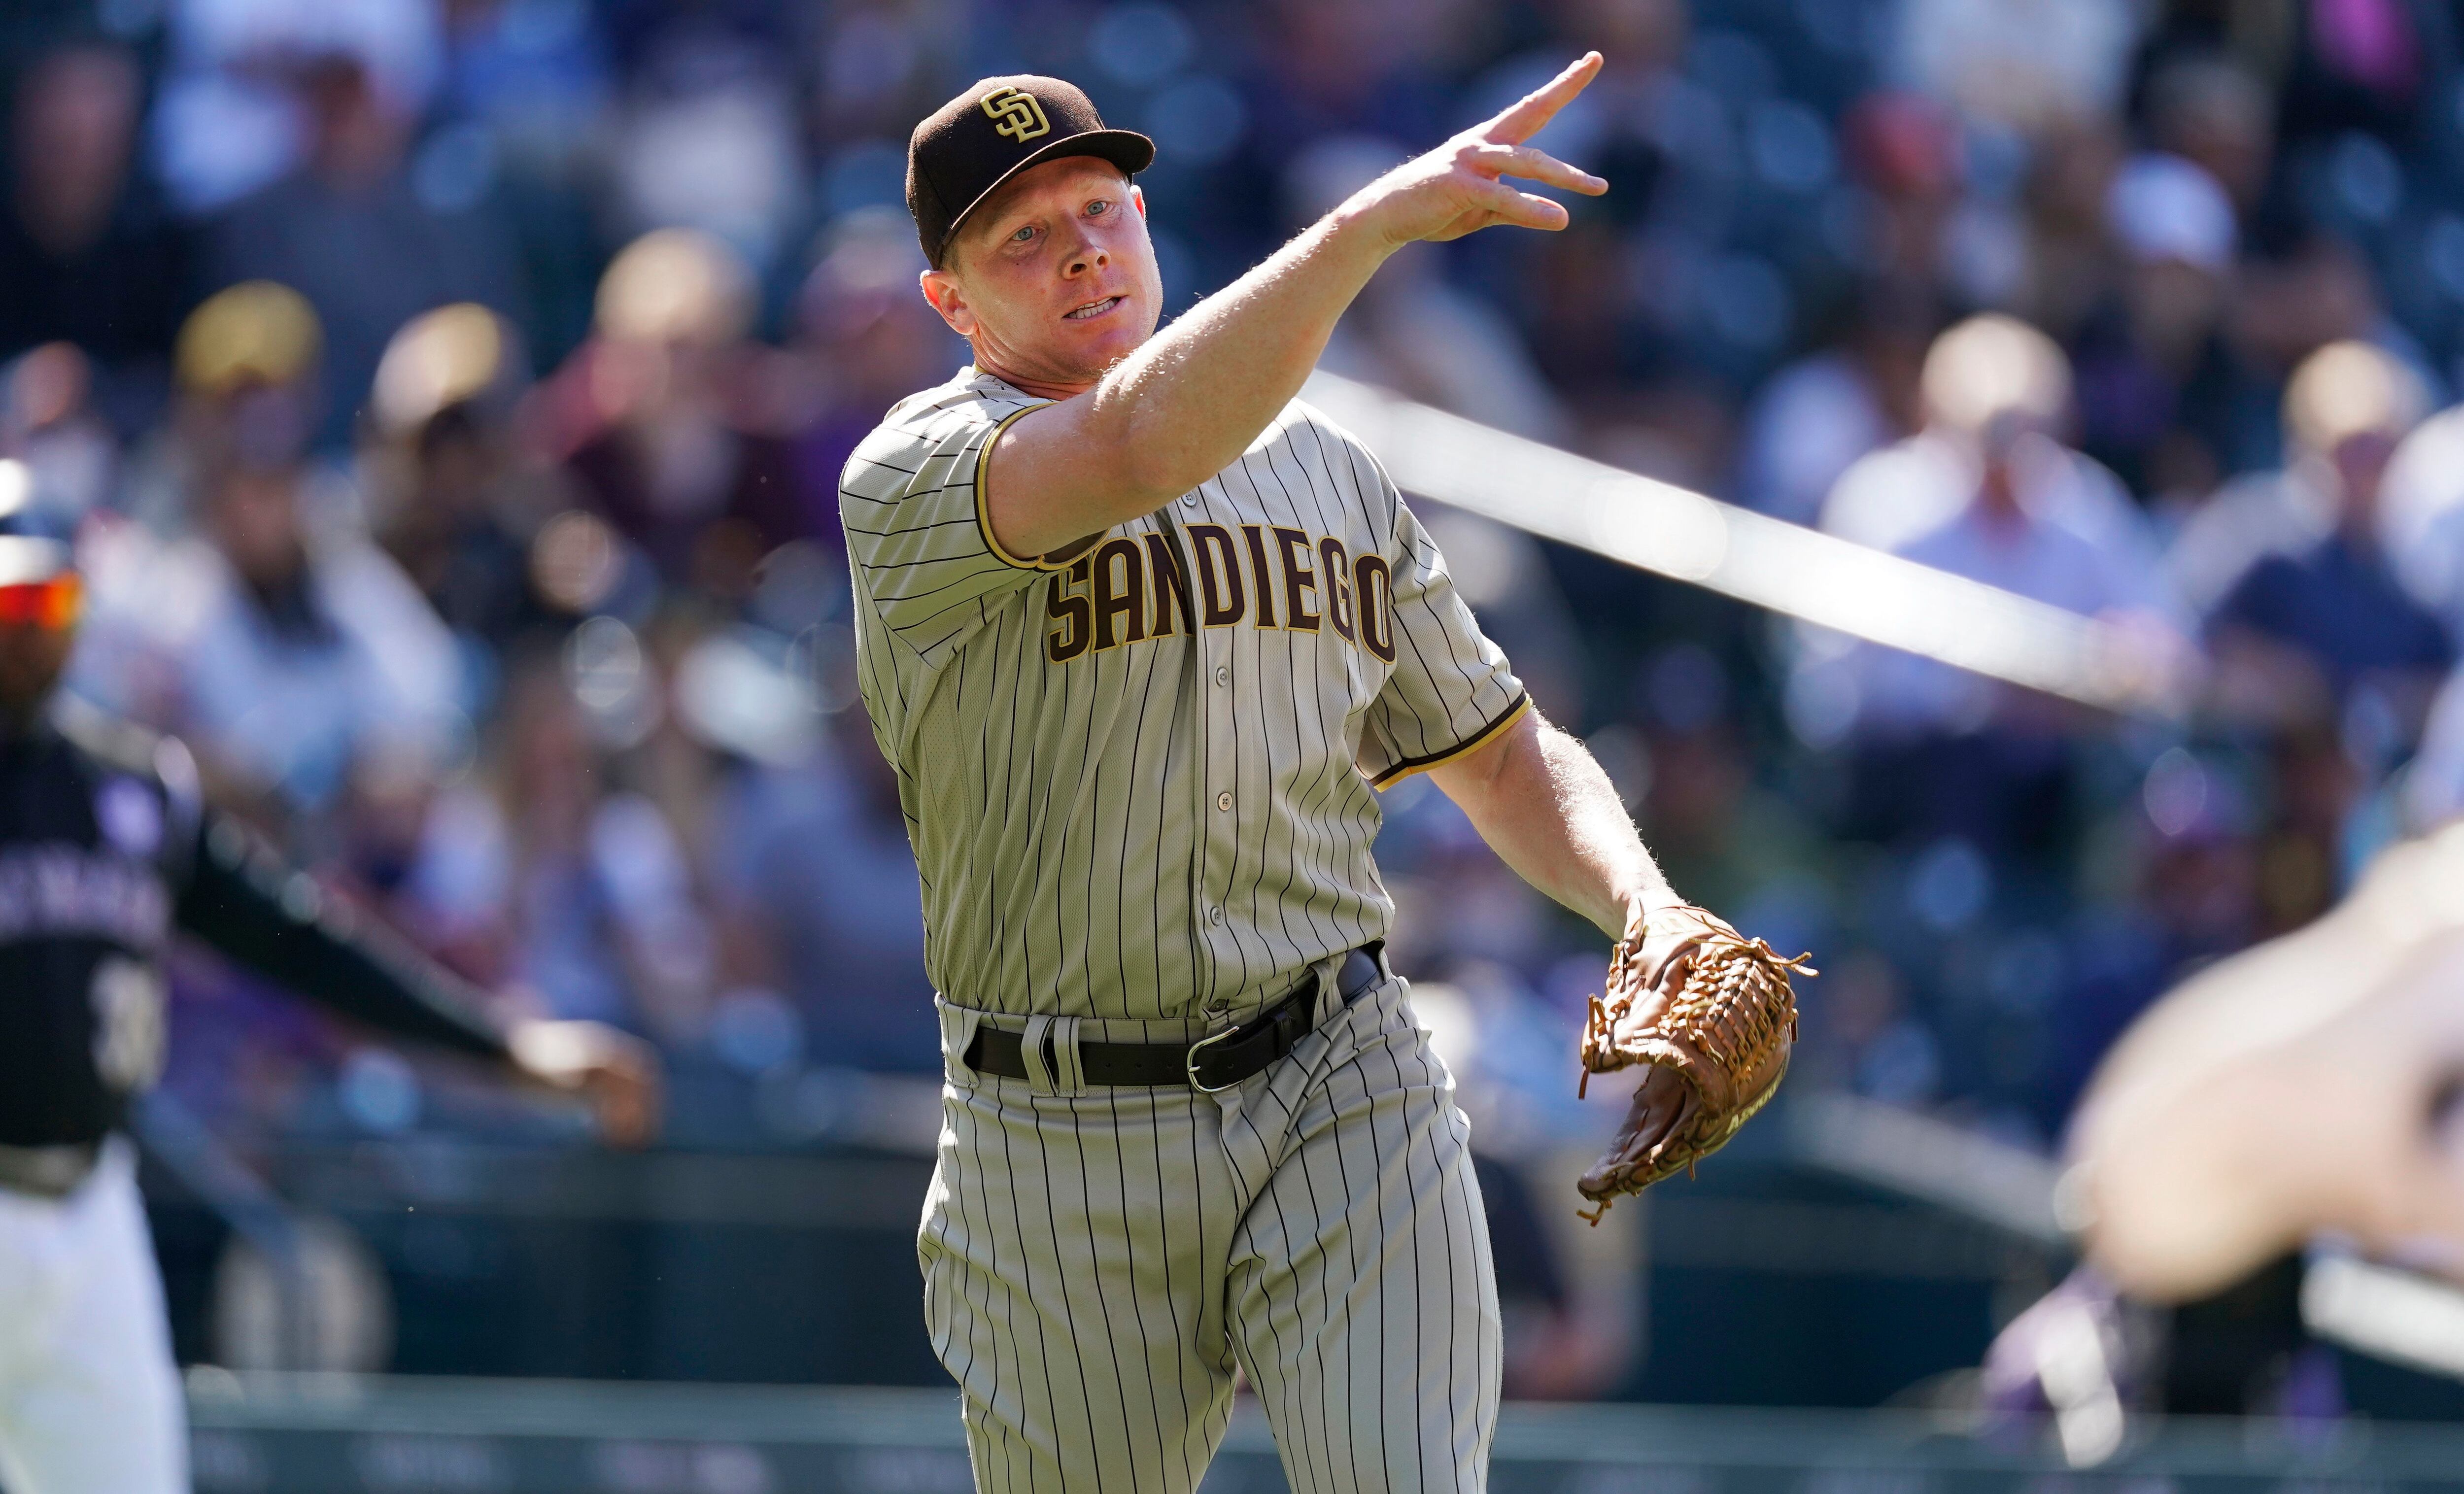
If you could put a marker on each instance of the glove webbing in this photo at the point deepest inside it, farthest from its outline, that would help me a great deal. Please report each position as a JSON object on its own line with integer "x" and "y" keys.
{"x": 1713, "y": 1013}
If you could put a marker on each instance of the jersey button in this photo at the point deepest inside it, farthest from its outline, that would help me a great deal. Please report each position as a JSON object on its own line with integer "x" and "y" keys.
{"x": 1222, "y": 674}
{"x": 1215, "y": 915}
{"x": 1223, "y": 801}
{"x": 1189, "y": 500}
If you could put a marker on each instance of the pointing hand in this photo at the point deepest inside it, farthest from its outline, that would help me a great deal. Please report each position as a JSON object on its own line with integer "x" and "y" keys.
{"x": 1460, "y": 188}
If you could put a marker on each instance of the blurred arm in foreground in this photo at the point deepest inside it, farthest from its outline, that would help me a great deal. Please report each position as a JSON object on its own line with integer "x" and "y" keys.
{"x": 2307, "y": 1086}
{"x": 106, "y": 845}
{"x": 244, "y": 901}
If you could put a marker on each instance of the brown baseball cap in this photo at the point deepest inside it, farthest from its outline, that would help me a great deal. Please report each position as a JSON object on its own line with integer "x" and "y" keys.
{"x": 998, "y": 128}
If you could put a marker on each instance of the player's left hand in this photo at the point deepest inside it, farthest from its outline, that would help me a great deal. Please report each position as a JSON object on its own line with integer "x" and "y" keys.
{"x": 618, "y": 1073}
{"x": 1655, "y": 959}
{"x": 1711, "y": 1016}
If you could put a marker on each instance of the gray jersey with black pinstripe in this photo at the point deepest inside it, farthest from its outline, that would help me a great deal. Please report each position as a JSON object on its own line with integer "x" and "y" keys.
{"x": 1138, "y": 772}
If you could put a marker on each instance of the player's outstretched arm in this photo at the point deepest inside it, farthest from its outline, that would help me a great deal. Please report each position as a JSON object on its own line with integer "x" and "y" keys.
{"x": 1189, "y": 401}
{"x": 241, "y": 899}
{"x": 1543, "y": 803}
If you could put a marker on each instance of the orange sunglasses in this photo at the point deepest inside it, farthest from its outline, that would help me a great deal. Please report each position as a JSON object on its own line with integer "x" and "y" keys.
{"x": 52, "y": 604}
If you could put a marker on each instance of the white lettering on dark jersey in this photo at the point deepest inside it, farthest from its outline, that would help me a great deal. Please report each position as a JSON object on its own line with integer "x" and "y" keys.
{"x": 59, "y": 891}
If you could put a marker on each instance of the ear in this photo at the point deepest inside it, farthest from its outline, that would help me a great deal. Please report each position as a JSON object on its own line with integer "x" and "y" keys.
{"x": 1138, "y": 195}
{"x": 949, "y": 298}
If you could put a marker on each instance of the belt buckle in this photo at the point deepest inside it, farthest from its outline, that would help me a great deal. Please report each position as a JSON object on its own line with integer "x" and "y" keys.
{"x": 1189, "y": 1063}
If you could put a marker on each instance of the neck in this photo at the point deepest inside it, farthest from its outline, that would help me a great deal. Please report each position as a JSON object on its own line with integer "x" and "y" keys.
{"x": 1041, "y": 388}
{"x": 1998, "y": 501}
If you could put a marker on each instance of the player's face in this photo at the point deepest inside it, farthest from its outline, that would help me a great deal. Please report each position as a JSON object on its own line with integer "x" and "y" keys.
{"x": 37, "y": 625}
{"x": 1054, "y": 280}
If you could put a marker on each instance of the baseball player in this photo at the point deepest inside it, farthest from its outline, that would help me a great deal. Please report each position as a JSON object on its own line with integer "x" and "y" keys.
{"x": 104, "y": 850}
{"x": 1141, "y": 633}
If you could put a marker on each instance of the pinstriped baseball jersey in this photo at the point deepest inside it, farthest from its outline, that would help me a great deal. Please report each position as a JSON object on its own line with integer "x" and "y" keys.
{"x": 1137, "y": 770}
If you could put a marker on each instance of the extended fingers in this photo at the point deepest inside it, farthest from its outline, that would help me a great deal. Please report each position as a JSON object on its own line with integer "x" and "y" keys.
{"x": 1505, "y": 204}
{"x": 1524, "y": 120}
{"x": 1539, "y": 166}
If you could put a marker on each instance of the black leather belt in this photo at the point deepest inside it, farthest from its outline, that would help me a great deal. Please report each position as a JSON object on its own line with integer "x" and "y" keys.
{"x": 1216, "y": 1061}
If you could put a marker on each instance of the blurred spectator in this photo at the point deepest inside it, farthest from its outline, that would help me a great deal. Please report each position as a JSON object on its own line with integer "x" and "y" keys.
{"x": 1722, "y": 836}
{"x": 659, "y": 419}
{"x": 1625, "y": 125}
{"x": 815, "y": 872}
{"x": 2195, "y": 897}
{"x": 2023, "y": 63}
{"x": 709, "y": 141}
{"x": 87, "y": 253}
{"x": 231, "y": 120}
{"x": 2421, "y": 515}
{"x": 2292, "y": 303}
{"x": 1905, "y": 149}
{"x": 869, "y": 340}
{"x": 878, "y": 72}
{"x": 1994, "y": 393}
{"x": 532, "y": 76}
{"x": 1862, "y": 1037}
{"x": 1335, "y": 67}
{"x": 48, "y": 421}
{"x": 1987, "y": 492}
{"x": 2316, "y": 646}
{"x": 1591, "y": 319}
{"x": 559, "y": 880}
{"x": 1816, "y": 418}
{"x": 2072, "y": 264}
{"x": 456, "y": 501}
{"x": 277, "y": 640}
{"x": 2164, "y": 398}
{"x": 2361, "y": 65}
{"x": 2302, "y": 607}
{"x": 2210, "y": 110}
{"x": 348, "y": 230}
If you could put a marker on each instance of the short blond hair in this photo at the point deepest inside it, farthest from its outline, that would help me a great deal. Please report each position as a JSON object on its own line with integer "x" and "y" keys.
{"x": 2347, "y": 389}
{"x": 256, "y": 332}
{"x": 675, "y": 285}
{"x": 1992, "y": 366}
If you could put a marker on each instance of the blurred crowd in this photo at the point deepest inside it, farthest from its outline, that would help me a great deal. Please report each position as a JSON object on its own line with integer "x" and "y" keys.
{"x": 449, "y": 396}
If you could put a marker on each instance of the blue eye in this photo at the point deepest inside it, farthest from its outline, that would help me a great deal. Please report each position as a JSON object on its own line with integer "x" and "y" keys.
{"x": 1098, "y": 207}
{"x": 1021, "y": 236}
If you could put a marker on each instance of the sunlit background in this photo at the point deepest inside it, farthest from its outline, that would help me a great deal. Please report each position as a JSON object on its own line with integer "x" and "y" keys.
{"x": 450, "y": 398}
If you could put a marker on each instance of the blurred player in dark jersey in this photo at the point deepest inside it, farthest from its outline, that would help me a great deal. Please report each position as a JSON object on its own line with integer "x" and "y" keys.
{"x": 106, "y": 850}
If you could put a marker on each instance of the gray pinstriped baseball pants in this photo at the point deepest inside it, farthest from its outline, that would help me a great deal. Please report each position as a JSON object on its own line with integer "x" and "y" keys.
{"x": 1096, "y": 1262}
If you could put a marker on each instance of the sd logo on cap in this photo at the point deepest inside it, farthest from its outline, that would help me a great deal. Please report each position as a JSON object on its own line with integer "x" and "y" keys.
{"x": 1016, "y": 115}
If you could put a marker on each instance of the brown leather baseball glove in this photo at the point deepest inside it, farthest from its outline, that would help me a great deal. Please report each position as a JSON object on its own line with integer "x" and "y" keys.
{"x": 1713, "y": 1016}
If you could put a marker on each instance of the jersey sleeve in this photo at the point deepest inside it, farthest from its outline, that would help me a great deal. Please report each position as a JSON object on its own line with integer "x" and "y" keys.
{"x": 1451, "y": 690}
{"x": 913, "y": 503}
{"x": 244, "y": 901}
